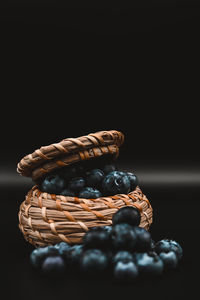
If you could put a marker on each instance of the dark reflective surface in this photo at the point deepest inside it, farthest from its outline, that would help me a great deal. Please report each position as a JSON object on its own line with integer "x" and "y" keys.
{"x": 176, "y": 214}
{"x": 86, "y": 78}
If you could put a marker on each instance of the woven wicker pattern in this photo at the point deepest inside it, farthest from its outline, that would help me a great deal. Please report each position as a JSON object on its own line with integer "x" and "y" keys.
{"x": 46, "y": 219}
{"x": 68, "y": 151}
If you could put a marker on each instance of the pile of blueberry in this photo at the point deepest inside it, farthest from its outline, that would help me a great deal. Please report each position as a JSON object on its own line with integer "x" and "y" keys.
{"x": 124, "y": 248}
{"x": 88, "y": 180}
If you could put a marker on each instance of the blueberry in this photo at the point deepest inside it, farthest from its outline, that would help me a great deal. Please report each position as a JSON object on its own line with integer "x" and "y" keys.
{"x": 67, "y": 192}
{"x": 76, "y": 184}
{"x": 177, "y": 248}
{"x": 53, "y": 184}
{"x": 149, "y": 263}
{"x": 39, "y": 254}
{"x": 152, "y": 245}
{"x": 98, "y": 237}
{"x": 108, "y": 168}
{"x": 107, "y": 228}
{"x": 123, "y": 256}
{"x": 89, "y": 193}
{"x": 144, "y": 241}
{"x": 94, "y": 260}
{"x": 53, "y": 263}
{"x": 133, "y": 180}
{"x": 62, "y": 247}
{"x": 116, "y": 183}
{"x": 167, "y": 245}
{"x": 169, "y": 259}
{"x": 128, "y": 214}
{"x": 73, "y": 255}
{"x": 125, "y": 271}
{"x": 94, "y": 178}
{"x": 123, "y": 237}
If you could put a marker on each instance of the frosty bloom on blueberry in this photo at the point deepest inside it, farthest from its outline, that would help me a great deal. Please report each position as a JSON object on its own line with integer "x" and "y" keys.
{"x": 53, "y": 263}
{"x": 53, "y": 183}
{"x": 94, "y": 178}
{"x": 133, "y": 180}
{"x": 76, "y": 184}
{"x": 149, "y": 263}
{"x": 125, "y": 271}
{"x": 169, "y": 259}
{"x": 89, "y": 193}
{"x": 39, "y": 254}
{"x": 116, "y": 183}
{"x": 167, "y": 245}
{"x": 94, "y": 260}
{"x": 123, "y": 256}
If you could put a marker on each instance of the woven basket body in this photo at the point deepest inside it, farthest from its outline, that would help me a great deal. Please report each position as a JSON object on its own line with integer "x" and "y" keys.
{"x": 47, "y": 219}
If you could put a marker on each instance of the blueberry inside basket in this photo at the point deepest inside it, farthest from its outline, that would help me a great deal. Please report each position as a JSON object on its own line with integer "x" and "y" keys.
{"x": 77, "y": 187}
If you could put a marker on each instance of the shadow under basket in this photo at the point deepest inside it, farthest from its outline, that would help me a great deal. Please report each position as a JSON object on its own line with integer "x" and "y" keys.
{"x": 47, "y": 219}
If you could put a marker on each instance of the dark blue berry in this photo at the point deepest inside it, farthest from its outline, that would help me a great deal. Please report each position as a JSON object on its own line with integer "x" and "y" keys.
{"x": 94, "y": 260}
{"x": 144, "y": 241}
{"x": 73, "y": 255}
{"x": 62, "y": 247}
{"x": 176, "y": 247}
{"x": 76, "y": 184}
{"x": 53, "y": 184}
{"x": 89, "y": 193}
{"x": 123, "y": 237}
{"x": 67, "y": 192}
{"x": 53, "y": 263}
{"x": 169, "y": 259}
{"x": 153, "y": 245}
{"x": 123, "y": 256}
{"x": 127, "y": 214}
{"x": 108, "y": 168}
{"x": 125, "y": 271}
{"x": 116, "y": 183}
{"x": 107, "y": 228}
{"x": 149, "y": 263}
{"x": 133, "y": 180}
{"x": 39, "y": 254}
{"x": 94, "y": 178}
{"x": 167, "y": 245}
{"x": 98, "y": 237}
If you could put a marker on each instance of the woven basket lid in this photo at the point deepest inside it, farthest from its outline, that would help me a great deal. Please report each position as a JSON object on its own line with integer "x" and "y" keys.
{"x": 69, "y": 151}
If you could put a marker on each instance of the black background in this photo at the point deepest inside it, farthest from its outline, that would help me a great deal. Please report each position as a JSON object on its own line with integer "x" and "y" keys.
{"x": 68, "y": 69}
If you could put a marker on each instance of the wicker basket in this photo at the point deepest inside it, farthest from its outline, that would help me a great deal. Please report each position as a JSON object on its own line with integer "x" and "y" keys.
{"x": 46, "y": 219}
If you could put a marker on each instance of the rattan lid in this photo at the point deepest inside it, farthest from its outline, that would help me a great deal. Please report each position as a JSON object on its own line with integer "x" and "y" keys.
{"x": 68, "y": 151}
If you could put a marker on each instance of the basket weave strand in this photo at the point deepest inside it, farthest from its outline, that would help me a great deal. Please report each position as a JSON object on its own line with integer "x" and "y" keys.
{"x": 73, "y": 158}
{"x": 67, "y": 148}
{"x": 46, "y": 219}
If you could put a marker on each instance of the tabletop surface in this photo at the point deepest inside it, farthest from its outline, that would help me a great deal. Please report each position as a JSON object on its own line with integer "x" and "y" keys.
{"x": 175, "y": 216}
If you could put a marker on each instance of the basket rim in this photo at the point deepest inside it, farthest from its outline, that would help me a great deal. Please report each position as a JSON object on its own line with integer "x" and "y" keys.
{"x": 47, "y": 218}
{"x": 67, "y": 147}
